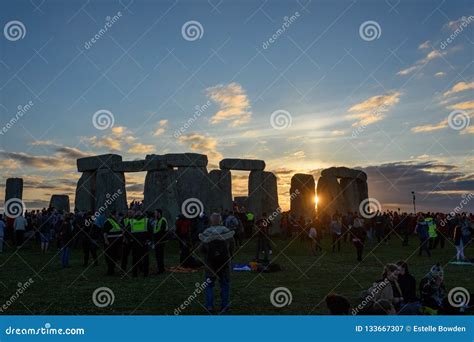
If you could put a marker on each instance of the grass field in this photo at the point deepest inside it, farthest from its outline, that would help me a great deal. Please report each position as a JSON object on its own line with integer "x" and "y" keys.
{"x": 309, "y": 278}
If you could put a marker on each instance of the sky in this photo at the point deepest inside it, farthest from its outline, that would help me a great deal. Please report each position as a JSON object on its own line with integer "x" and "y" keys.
{"x": 382, "y": 86}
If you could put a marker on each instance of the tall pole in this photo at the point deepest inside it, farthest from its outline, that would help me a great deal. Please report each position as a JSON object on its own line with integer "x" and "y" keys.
{"x": 414, "y": 202}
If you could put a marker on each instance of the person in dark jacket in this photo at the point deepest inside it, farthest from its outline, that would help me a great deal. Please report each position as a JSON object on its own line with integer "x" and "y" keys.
{"x": 422, "y": 230}
{"x": 113, "y": 237}
{"x": 358, "y": 235}
{"x": 64, "y": 241}
{"x": 407, "y": 283}
{"x": 217, "y": 245}
{"x": 89, "y": 240}
{"x": 160, "y": 229}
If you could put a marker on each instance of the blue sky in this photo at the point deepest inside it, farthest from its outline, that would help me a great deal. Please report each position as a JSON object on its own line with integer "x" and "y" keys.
{"x": 381, "y": 105}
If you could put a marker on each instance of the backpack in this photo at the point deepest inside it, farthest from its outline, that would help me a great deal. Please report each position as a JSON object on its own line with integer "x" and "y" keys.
{"x": 218, "y": 254}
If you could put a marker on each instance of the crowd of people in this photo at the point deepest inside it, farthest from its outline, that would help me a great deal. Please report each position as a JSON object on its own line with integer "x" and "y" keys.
{"x": 128, "y": 239}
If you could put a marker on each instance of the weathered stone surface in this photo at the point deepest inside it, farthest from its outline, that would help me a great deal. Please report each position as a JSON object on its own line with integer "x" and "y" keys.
{"x": 241, "y": 201}
{"x": 180, "y": 159}
{"x": 110, "y": 194}
{"x": 302, "y": 195}
{"x": 161, "y": 193}
{"x": 220, "y": 190}
{"x": 330, "y": 196}
{"x": 255, "y": 193}
{"x": 85, "y": 192}
{"x": 193, "y": 182}
{"x": 362, "y": 190}
{"x": 93, "y": 163}
{"x": 140, "y": 165}
{"x": 263, "y": 197}
{"x": 242, "y": 164}
{"x": 60, "y": 202}
{"x": 14, "y": 188}
{"x": 350, "y": 192}
{"x": 344, "y": 172}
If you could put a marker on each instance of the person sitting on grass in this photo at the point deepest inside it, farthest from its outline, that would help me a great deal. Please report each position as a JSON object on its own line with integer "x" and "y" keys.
{"x": 337, "y": 305}
{"x": 432, "y": 288}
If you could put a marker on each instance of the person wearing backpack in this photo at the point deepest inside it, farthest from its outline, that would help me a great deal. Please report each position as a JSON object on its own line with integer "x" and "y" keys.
{"x": 217, "y": 245}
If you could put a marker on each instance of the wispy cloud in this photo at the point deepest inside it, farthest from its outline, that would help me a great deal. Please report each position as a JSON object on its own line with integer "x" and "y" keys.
{"x": 433, "y": 54}
{"x": 234, "y": 105}
{"x": 373, "y": 109}
{"x": 459, "y": 87}
{"x": 202, "y": 144}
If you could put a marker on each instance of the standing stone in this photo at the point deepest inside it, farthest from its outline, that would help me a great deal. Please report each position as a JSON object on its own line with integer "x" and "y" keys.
{"x": 255, "y": 193}
{"x": 350, "y": 192}
{"x": 302, "y": 195}
{"x": 85, "y": 192}
{"x": 60, "y": 202}
{"x": 270, "y": 200}
{"x": 220, "y": 191}
{"x": 161, "y": 193}
{"x": 362, "y": 190}
{"x": 330, "y": 196}
{"x": 110, "y": 194}
{"x": 242, "y": 164}
{"x": 103, "y": 161}
{"x": 241, "y": 201}
{"x": 192, "y": 182}
{"x": 14, "y": 188}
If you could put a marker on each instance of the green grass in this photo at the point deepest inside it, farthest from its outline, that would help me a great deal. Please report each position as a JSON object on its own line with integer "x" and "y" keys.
{"x": 309, "y": 278}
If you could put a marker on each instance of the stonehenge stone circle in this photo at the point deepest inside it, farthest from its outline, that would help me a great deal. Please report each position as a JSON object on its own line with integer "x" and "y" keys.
{"x": 14, "y": 188}
{"x": 302, "y": 194}
{"x": 60, "y": 202}
{"x": 341, "y": 190}
{"x": 242, "y": 164}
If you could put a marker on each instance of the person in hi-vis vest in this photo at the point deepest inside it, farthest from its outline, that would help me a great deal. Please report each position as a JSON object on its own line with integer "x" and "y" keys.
{"x": 140, "y": 231}
{"x": 160, "y": 227}
{"x": 113, "y": 235}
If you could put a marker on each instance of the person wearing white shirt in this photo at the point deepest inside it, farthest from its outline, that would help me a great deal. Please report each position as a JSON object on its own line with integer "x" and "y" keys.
{"x": 19, "y": 226}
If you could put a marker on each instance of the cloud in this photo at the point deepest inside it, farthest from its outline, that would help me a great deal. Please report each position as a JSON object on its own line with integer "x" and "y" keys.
{"x": 433, "y": 54}
{"x": 141, "y": 148}
{"x": 202, "y": 144}
{"x": 424, "y": 45}
{"x": 39, "y": 162}
{"x": 466, "y": 105}
{"x": 459, "y": 87}
{"x": 373, "y": 109}
{"x": 159, "y": 131}
{"x": 440, "y": 74}
{"x": 456, "y": 24}
{"x": 107, "y": 142}
{"x": 234, "y": 105}
{"x": 10, "y": 164}
{"x": 468, "y": 130}
{"x": 430, "y": 128}
{"x": 337, "y": 133}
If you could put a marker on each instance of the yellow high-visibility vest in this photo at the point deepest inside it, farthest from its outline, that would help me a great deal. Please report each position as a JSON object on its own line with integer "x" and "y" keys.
{"x": 115, "y": 226}
{"x": 159, "y": 224}
{"x": 139, "y": 226}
